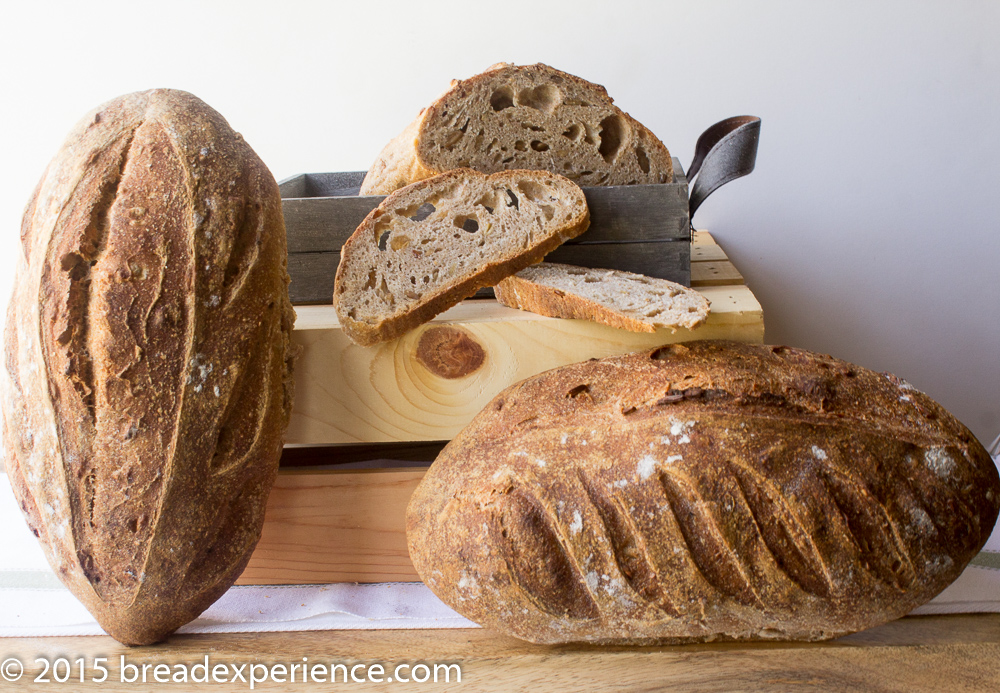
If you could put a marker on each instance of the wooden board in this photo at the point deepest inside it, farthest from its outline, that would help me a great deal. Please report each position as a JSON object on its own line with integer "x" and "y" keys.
{"x": 316, "y": 222}
{"x": 350, "y": 394}
{"x": 721, "y": 273}
{"x": 638, "y": 228}
{"x": 953, "y": 653}
{"x": 335, "y": 526}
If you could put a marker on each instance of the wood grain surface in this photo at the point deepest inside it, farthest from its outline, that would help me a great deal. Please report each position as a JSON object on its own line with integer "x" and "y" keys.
{"x": 315, "y": 221}
{"x": 335, "y": 526}
{"x": 955, "y": 653}
{"x": 349, "y": 394}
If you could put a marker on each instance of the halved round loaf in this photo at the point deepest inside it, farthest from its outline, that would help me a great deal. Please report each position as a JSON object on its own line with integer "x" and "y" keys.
{"x": 523, "y": 117}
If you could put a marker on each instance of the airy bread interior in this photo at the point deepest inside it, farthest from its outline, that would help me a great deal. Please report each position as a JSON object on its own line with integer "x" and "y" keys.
{"x": 620, "y": 299}
{"x": 428, "y": 246}
{"x": 524, "y": 117}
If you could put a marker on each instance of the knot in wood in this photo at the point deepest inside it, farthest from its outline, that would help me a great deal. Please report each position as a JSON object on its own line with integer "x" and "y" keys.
{"x": 449, "y": 352}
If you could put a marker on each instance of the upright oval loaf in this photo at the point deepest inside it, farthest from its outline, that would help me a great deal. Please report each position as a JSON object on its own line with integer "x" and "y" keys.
{"x": 147, "y": 380}
{"x": 699, "y": 492}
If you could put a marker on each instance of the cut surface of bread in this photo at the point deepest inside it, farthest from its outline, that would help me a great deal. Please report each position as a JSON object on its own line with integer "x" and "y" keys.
{"x": 433, "y": 243}
{"x": 621, "y": 299}
{"x": 523, "y": 117}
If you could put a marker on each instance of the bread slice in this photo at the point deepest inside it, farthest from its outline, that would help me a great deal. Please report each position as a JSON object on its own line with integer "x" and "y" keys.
{"x": 523, "y": 117}
{"x": 620, "y": 299}
{"x": 431, "y": 244}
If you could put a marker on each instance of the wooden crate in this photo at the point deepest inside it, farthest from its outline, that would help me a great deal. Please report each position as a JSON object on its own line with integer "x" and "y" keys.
{"x": 637, "y": 228}
{"x": 353, "y": 405}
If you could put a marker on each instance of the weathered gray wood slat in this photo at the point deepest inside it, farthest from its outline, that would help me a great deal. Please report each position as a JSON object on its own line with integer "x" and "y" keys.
{"x": 312, "y": 277}
{"x": 316, "y": 222}
{"x": 663, "y": 259}
{"x": 637, "y": 228}
{"x": 313, "y": 273}
{"x": 323, "y": 224}
{"x": 337, "y": 184}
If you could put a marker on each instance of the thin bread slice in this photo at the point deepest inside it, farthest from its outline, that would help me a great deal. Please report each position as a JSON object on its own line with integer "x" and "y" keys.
{"x": 523, "y": 117}
{"x": 620, "y": 299}
{"x": 433, "y": 243}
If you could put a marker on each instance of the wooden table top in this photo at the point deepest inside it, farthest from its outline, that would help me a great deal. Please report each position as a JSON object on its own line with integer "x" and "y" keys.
{"x": 930, "y": 653}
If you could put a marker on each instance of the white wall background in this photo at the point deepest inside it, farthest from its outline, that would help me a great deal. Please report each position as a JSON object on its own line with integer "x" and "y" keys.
{"x": 870, "y": 229}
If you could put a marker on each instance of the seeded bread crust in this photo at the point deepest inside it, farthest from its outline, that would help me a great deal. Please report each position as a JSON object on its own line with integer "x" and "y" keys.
{"x": 624, "y": 300}
{"x": 701, "y": 491}
{"x": 147, "y": 378}
{"x": 400, "y": 268}
{"x": 523, "y": 117}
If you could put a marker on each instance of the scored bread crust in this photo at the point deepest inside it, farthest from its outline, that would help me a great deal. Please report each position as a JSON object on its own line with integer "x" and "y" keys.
{"x": 638, "y": 303}
{"x": 523, "y": 117}
{"x": 701, "y": 491}
{"x": 389, "y": 248}
{"x": 147, "y": 378}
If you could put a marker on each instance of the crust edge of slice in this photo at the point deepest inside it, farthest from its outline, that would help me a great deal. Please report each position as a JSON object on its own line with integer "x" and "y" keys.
{"x": 525, "y": 294}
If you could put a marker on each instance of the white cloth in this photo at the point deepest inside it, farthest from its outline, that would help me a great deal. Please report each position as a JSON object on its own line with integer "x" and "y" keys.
{"x": 33, "y": 602}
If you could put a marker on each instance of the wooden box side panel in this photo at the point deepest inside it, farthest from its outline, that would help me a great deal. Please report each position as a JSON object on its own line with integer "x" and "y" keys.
{"x": 385, "y": 393}
{"x": 313, "y": 274}
{"x": 637, "y": 228}
{"x": 618, "y": 214}
{"x": 388, "y": 392}
{"x": 322, "y": 527}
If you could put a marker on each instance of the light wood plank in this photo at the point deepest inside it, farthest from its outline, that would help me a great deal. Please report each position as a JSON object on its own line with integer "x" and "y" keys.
{"x": 743, "y": 307}
{"x": 722, "y": 273}
{"x": 332, "y": 526}
{"x": 702, "y": 237}
{"x": 348, "y": 394}
{"x": 930, "y": 653}
{"x": 707, "y": 252}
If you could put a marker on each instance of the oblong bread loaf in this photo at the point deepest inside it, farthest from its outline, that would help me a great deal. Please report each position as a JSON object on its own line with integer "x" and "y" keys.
{"x": 701, "y": 491}
{"x": 147, "y": 377}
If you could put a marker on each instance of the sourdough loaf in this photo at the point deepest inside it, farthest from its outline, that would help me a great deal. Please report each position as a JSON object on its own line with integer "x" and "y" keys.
{"x": 620, "y": 299}
{"x": 699, "y": 492}
{"x": 433, "y": 243}
{"x": 147, "y": 376}
{"x": 523, "y": 117}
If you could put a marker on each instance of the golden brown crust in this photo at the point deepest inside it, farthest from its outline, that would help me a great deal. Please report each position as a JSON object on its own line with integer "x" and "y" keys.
{"x": 397, "y": 165}
{"x": 704, "y": 491}
{"x": 147, "y": 381}
{"x": 548, "y": 120}
{"x": 365, "y": 265}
